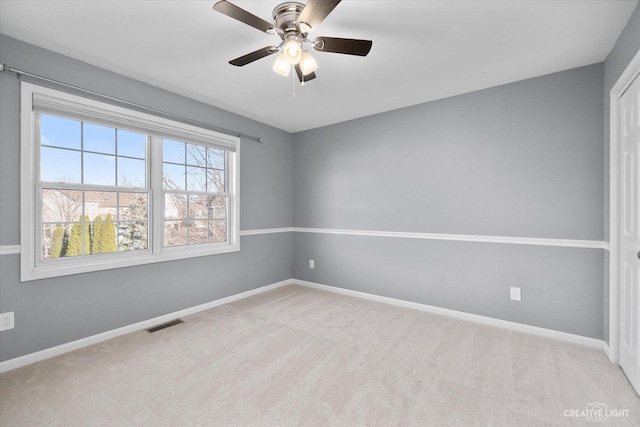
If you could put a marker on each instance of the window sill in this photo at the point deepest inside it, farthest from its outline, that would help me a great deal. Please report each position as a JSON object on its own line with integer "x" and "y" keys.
{"x": 66, "y": 267}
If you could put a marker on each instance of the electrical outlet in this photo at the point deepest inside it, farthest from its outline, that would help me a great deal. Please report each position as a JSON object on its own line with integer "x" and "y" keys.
{"x": 6, "y": 321}
{"x": 516, "y": 294}
{"x": 312, "y": 264}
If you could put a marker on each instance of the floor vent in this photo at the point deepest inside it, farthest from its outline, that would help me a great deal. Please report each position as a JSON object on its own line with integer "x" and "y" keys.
{"x": 165, "y": 325}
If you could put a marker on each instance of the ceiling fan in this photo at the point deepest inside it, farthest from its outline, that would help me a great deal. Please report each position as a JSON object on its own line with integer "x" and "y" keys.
{"x": 293, "y": 21}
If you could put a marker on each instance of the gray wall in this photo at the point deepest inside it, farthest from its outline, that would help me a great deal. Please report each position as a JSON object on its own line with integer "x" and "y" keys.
{"x": 55, "y": 311}
{"x": 524, "y": 159}
{"x": 626, "y": 47}
{"x": 521, "y": 160}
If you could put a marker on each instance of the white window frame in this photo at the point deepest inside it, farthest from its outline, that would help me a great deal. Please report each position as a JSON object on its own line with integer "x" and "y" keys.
{"x": 37, "y": 99}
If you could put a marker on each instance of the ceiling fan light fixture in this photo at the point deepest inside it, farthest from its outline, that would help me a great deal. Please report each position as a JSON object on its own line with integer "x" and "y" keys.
{"x": 281, "y": 66}
{"x": 304, "y": 27}
{"x": 308, "y": 64}
{"x": 292, "y": 22}
{"x": 292, "y": 51}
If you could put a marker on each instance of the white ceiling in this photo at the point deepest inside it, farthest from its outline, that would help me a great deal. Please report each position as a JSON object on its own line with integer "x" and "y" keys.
{"x": 422, "y": 50}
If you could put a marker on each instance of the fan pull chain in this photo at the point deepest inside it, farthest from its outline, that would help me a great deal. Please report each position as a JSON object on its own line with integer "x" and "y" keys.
{"x": 293, "y": 82}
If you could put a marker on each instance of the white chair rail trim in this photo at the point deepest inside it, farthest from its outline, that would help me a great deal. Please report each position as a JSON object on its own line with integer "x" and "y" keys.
{"x": 535, "y": 241}
{"x": 588, "y": 244}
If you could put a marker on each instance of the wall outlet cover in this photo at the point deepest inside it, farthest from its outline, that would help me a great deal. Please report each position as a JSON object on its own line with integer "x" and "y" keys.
{"x": 6, "y": 321}
{"x": 516, "y": 294}
{"x": 312, "y": 264}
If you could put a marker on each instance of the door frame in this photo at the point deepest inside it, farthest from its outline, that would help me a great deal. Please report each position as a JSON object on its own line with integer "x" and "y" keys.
{"x": 630, "y": 73}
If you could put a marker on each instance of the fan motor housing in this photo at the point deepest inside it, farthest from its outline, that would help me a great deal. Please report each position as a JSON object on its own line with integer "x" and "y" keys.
{"x": 286, "y": 14}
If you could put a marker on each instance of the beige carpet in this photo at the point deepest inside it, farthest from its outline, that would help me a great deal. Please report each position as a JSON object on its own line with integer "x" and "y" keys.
{"x": 301, "y": 357}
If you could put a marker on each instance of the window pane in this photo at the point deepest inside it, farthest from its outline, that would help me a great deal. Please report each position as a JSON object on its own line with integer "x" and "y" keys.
{"x": 132, "y": 144}
{"x": 59, "y": 132}
{"x": 132, "y": 226}
{"x": 218, "y": 207}
{"x": 59, "y": 165}
{"x": 196, "y": 179}
{"x": 173, "y": 151}
{"x": 196, "y": 155}
{"x": 203, "y": 215}
{"x": 198, "y": 207}
{"x": 131, "y": 172}
{"x": 218, "y": 231}
{"x": 54, "y": 240}
{"x": 215, "y": 180}
{"x": 198, "y": 232}
{"x": 103, "y": 236}
{"x": 99, "y": 169}
{"x": 78, "y": 238}
{"x": 101, "y": 139}
{"x": 175, "y": 206}
{"x": 133, "y": 236}
{"x": 132, "y": 206}
{"x": 215, "y": 158}
{"x": 175, "y": 233}
{"x": 100, "y": 204}
{"x": 173, "y": 177}
{"x": 61, "y": 206}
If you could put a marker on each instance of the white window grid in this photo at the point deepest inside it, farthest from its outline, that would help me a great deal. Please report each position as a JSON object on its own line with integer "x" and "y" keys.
{"x": 156, "y": 128}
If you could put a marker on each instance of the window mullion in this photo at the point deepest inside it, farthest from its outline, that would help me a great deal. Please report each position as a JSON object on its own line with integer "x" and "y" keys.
{"x": 157, "y": 197}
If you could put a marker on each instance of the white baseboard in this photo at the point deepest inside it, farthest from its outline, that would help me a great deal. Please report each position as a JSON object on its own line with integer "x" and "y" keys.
{"x": 609, "y": 353}
{"x": 94, "y": 339}
{"x": 534, "y": 330}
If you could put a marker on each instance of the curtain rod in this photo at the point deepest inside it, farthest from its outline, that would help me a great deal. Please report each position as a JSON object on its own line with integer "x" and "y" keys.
{"x": 187, "y": 120}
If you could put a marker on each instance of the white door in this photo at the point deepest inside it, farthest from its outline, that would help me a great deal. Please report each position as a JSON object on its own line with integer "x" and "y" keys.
{"x": 630, "y": 233}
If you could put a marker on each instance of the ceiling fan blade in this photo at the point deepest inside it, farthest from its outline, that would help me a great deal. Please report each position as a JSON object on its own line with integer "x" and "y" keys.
{"x": 235, "y": 12}
{"x": 302, "y": 77}
{"x": 315, "y": 11}
{"x": 253, "y": 56}
{"x": 346, "y": 46}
